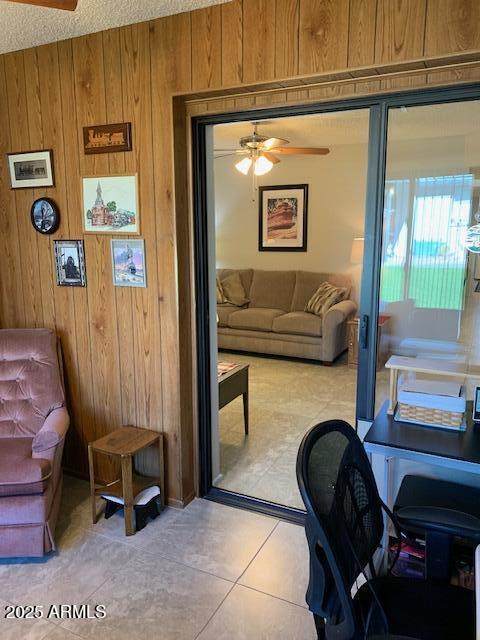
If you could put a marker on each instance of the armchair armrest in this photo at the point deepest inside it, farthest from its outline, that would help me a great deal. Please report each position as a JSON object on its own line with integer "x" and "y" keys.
{"x": 334, "y": 330}
{"x": 52, "y": 432}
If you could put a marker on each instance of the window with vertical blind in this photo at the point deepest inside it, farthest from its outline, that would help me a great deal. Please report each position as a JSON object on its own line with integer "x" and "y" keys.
{"x": 423, "y": 255}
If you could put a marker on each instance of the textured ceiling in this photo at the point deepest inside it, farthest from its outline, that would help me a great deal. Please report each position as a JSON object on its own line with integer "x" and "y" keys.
{"x": 25, "y": 26}
{"x": 351, "y": 127}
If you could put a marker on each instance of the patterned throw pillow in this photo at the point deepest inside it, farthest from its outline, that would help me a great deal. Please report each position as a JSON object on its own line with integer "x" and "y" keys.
{"x": 325, "y": 297}
{"x": 220, "y": 296}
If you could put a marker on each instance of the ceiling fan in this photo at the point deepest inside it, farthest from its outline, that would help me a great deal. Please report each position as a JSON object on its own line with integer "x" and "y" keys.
{"x": 67, "y": 5}
{"x": 261, "y": 152}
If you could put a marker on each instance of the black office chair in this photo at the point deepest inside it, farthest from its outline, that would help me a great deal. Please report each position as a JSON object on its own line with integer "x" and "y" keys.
{"x": 344, "y": 528}
{"x": 441, "y": 511}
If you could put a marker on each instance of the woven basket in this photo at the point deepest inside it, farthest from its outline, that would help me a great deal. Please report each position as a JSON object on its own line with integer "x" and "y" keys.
{"x": 430, "y": 416}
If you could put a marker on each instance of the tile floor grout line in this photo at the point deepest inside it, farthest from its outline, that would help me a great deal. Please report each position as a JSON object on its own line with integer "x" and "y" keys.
{"x": 270, "y": 595}
{"x": 260, "y": 548}
{"x": 215, "y": 612}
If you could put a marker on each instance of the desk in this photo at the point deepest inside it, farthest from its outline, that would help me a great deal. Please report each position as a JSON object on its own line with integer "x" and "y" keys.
{"x": 389, "y": 439}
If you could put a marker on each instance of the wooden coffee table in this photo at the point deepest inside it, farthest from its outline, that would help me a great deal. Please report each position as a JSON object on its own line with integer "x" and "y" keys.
{"x": 124, "y": 443}
{"x": 233, "y": 384}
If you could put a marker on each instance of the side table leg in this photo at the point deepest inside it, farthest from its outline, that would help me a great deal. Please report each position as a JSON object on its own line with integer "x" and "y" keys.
{"x": 245, "y": 412}
{"x": 91, "y": 469}
{"x": 161, "y": 467}
{"x": 127, "y": 487}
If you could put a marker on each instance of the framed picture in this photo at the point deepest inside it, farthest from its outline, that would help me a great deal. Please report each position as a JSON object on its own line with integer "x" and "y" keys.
{"x": 45, "y": 216}
{"x": 31, "y": 170}
{"x": 107, "y": 138}
{"x": 110, "y": 204}
{"x": 128, "y": 263}
{"x": 283, "y": 218}
{"x": 69, "y": 263}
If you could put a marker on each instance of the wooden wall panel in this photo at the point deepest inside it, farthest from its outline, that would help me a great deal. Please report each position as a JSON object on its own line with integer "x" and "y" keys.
{"x": 258, "y": 40}
{"x": 232, "y": 43}
{"x": 206, "y": 43}
{"x": 128, "y": 351}
{"x": 323, "y": 44}
{"x": 287, "y": 16}
{"x": 361, "y": 32}
{"x": 400, "y": 30}
{"x": 452, "y": 25}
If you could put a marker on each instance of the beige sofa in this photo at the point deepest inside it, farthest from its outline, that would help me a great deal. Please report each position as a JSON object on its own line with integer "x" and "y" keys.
{"x": 274, "y": 321}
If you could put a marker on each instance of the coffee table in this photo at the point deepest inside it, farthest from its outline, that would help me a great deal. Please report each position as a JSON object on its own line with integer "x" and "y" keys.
{"x": 233, "y": 384}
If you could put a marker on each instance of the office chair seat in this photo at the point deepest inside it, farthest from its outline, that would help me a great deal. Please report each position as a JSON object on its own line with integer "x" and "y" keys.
{"x": 422, "y": 610}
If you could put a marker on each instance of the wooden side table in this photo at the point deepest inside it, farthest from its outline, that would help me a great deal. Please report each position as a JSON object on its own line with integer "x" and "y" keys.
{"x": 232, "y": 384}
{"x": 124, "y": 443}
{"x": 382, "y": 341}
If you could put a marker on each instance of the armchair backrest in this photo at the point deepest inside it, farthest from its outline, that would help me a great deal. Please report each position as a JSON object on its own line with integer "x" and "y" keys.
{"x": 30, "y": 380}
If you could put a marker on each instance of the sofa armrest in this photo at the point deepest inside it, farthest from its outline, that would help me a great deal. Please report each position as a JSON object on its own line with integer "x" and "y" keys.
{"x": 51, "y": 434}
{"x": 334, "y": 332}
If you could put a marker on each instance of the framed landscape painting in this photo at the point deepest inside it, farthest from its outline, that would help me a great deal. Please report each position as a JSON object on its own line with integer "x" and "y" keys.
{"x": 283, "y": 218}
{"x": 128, "y": 263}
{"x": 110, "y": 205}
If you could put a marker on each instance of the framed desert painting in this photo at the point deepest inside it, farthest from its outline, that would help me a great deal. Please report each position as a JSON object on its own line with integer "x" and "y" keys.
{"x": 283, "y": 218}
{"x": 110, "y": 205}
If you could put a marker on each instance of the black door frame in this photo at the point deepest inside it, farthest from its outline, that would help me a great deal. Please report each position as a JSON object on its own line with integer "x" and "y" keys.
{"x": 379, "y": 106}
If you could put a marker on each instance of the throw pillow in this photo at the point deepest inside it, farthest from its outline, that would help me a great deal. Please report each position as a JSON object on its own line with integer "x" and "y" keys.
{"x": 325, "y": 297}
{"x": 220, "y": 296}
{"x": 233, "y": 291}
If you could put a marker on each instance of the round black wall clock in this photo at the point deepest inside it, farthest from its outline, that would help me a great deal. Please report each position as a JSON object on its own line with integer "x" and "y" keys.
{"x": 45, "y": 216}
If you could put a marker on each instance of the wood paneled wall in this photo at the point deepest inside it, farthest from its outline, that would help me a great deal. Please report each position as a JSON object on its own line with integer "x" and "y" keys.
{"x": 124, "y": 349}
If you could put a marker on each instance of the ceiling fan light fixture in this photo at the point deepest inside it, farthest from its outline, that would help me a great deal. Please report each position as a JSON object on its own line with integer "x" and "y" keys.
{"x": 243, "y": 165}
{"x": 262, "y": 166}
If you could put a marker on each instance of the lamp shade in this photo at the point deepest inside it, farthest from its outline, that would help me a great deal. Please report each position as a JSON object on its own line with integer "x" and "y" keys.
{"x": 356, "y": 255}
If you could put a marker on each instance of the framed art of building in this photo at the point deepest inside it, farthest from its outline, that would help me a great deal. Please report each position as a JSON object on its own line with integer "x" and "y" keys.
{"x": 110, "y": 204}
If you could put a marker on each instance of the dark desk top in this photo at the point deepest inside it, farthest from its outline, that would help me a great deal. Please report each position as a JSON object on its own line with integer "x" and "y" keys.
{"x": 458, "y": 445}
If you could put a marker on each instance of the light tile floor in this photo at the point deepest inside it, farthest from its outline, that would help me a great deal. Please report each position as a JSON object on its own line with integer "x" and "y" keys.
{"x": 287, "y": 397}
{"x": 209, "y": 572}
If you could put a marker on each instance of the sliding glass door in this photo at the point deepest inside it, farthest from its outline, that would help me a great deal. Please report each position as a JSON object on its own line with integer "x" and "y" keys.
{"x": 428, "y": 307}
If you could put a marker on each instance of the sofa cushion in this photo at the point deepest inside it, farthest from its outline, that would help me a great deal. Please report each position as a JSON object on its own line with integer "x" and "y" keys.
{"x": 255, "y": 319}
{"x": 325, "y": 297}
{"x": 220, "y": 296}
{"x": 30, "y": 383}
{"x": 272, "y": 289}
{"x": 298, "y": 323}
{"x": 245, "y": 276}
{"x": 20, "y": 474}
{"x": 307, "y": 282}
{"x": 233, "y": 290}
{"x": 223, "y": 313}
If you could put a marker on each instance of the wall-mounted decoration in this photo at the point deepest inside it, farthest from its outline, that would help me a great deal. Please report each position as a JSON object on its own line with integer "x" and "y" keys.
{"x": 31, "y": 170}
{"x": 45, "y": 216}
{"x": 110, "y": 204}
{"x": 107, "y": 138}
{"x": 128, "y": 263}
{"x": 283, "y": 218}
{"x": 69, "y": 263}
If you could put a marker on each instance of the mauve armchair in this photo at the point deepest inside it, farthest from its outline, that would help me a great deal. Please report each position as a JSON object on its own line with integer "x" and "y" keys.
{"x": 33, "y": 424}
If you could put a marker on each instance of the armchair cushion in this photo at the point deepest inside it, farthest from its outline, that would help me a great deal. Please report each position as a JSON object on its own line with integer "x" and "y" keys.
{"x": 20, "y": 474}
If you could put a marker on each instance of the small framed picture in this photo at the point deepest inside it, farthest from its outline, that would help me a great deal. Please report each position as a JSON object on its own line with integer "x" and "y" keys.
{"x": 283, "y": 218}
{"x": 70, "y": 263}
{"x": 45, "y": 216}
{"x": 110, "y": 205}
{"x": 107, "y": 138}
{"x": 128, "y": 263}
{"x": 31, "y": 170}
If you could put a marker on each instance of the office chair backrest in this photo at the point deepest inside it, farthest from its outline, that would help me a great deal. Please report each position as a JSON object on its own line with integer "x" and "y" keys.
{"x": 344, "y": 524}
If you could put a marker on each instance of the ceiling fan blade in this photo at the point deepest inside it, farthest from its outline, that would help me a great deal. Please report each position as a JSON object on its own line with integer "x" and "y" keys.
{"x": 66, "y": 5}
{"x": 270, "y": 156}
{"x": 314, "y": 151}
{"x": 231, "y": 151}
{"x": 224, "y": 155}
{"x": 273, "y": 142}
